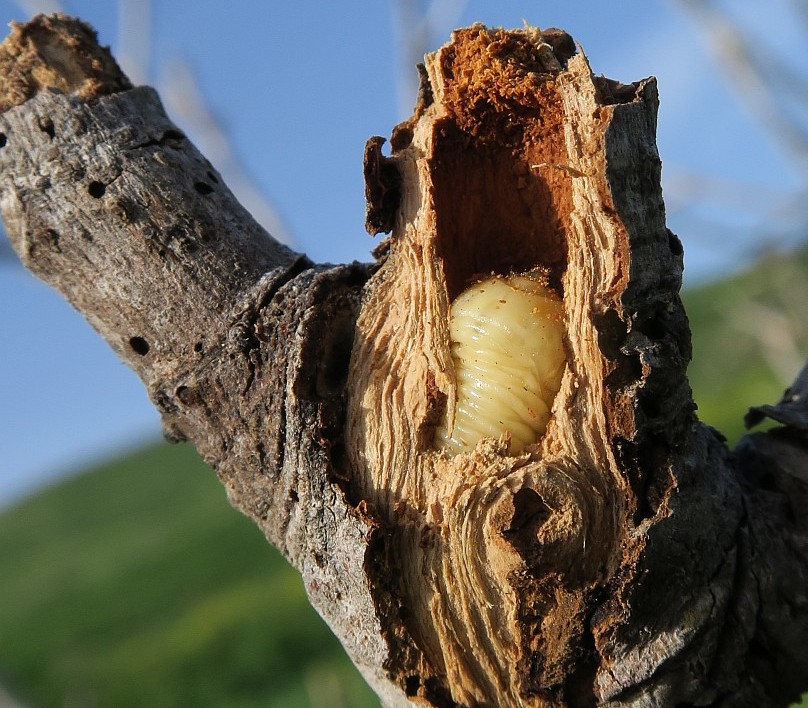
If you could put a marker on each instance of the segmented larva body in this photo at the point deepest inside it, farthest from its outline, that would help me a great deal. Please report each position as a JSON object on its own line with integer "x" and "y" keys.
{"x": 508, "y": 351}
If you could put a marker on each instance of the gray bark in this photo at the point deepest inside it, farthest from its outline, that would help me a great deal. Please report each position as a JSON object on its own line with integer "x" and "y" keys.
{"x": 628, "y": 559}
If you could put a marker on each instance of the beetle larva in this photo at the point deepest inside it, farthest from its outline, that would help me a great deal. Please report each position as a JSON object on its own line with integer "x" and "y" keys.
{"x": 508, "y": 350}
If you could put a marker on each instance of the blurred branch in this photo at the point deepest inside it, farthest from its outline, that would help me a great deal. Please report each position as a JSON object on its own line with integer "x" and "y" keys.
{"x": 762, "y": 78}
{"x": 411, "y": 44}
{"x": 773, "y": 332}
{"x": 134, "y": 39}
{"x": 415, "y": 27}
{"x": 802, "y": 10}
{"x": 34, "y": 7}
{"x": 759, "y": 217}
{"x": 186, "y": 103}
{"x": 683, "y": 187}
{"x": 185, "y": 100}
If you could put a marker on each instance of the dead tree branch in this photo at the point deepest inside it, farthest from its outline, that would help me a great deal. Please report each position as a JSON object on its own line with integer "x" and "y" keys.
{"x": 624, "y": 559}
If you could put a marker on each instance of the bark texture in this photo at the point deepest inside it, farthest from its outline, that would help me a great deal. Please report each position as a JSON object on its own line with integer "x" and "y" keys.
{"x": 626, "y": 559}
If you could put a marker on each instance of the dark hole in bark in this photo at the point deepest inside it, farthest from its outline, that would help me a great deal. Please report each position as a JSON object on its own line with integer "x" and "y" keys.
{"x": 628, "y": 454}
{"x": 173, "y": 135}
{"x": 96, "y": 189}
{"x": 563, "y": 45}
{"x": 674, "y": 244}
{"x": 189, "y": 245}
{"x": 340, "y": 472}
{"x": 654, "y": 327}
{"x": 402, "y": 137}
{"x": 3, "y": 140}
{"x": 187, "y": 396}
{"x": 650, "y": 405}
{"x": 198, "y": 347}
{"x": 336, "y": 356}
{"x": 579, "y": 688}
{"x": 53, "y": 236}
{"x": 652, "y": 458}
{"x": 411, "y": 685}
{"x": 382, "y": 188}
{"x": 628, "y": 370}
{"x": 46, "y": 126}
{"x": 139, "y": 345}
{"x": 212, "y": 177}
{"x": 613, "y": 92}
{"x": 437, "y": 694}
{"x": 611, "y": 333}
{"x": 529, "y": 511}
{"x": 203, "y": 187}
{"x": 529, "y": 514}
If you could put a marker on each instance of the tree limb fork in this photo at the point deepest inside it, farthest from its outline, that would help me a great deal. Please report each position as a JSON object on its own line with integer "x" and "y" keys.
{"x": 627, "y": 558}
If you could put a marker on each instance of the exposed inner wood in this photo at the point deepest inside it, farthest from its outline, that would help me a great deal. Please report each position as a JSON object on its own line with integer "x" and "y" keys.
{"x": 499, "y": 556}
{"x": 56, "y": 52}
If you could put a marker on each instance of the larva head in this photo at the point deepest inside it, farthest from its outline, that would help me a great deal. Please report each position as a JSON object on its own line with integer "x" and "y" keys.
{"x": 508, "y": 351}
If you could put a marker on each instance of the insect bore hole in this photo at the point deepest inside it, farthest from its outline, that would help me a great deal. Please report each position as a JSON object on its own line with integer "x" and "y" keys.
{"x": 96, "y": 189}
{"x": 139, "y": 346}
{"x": 47, "y": 127}
{"x": 507, "y": 339}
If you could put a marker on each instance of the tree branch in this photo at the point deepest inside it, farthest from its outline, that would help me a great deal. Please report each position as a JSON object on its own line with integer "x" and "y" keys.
{"x": 625, "y": 558}
{"x": 241, "y": 343}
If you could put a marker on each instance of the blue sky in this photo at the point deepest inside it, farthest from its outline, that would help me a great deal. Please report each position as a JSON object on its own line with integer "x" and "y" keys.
{"x": 298, "y": 88}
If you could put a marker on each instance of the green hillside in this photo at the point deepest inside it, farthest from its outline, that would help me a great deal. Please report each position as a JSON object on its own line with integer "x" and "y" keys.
{"x": 750, "y": 338}
{"x": 136, "y": 584}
